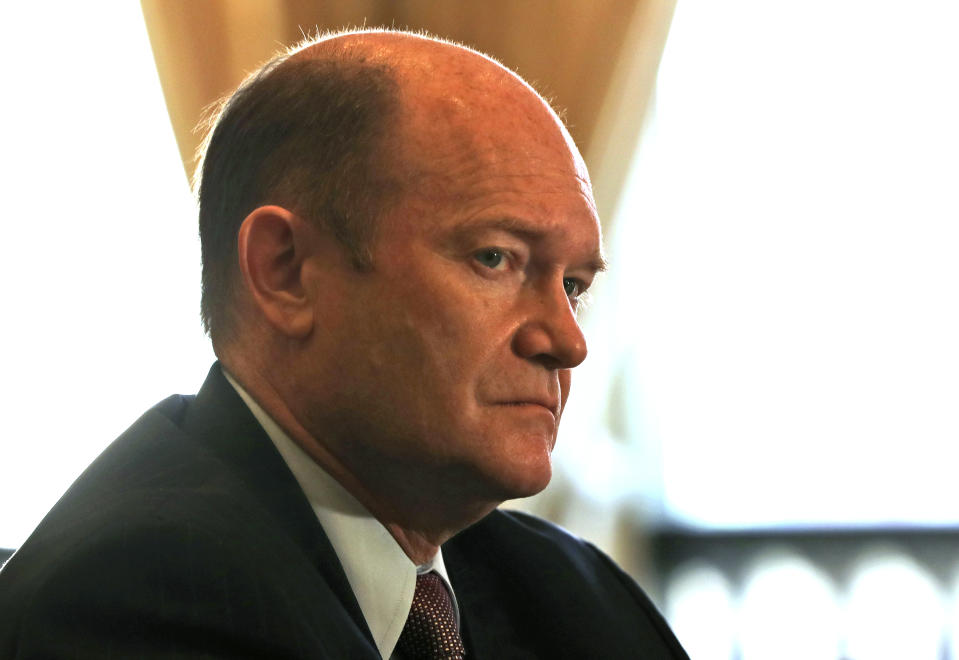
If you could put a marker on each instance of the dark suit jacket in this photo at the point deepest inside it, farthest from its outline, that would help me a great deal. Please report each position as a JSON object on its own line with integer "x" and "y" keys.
{"x": 189, "y": 538}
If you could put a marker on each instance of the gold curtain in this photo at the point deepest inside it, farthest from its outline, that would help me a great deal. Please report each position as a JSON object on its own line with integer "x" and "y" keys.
{"x": 596, "y": 59}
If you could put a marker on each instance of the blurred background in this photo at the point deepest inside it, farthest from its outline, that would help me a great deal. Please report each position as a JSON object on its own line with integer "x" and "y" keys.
{"x": 766, "y": 433}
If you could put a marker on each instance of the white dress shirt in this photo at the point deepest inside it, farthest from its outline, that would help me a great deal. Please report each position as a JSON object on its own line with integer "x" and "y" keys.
{"x": 383, "y": 578}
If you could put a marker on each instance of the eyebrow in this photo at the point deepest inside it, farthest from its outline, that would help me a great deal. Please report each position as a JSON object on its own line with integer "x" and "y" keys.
{"x": 597, "y": 263}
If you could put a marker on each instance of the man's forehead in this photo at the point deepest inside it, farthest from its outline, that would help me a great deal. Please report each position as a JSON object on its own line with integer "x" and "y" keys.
{"x": 465, "y": 123}
{"x": 444, "y": 85}
{"x": 453, "y": 123}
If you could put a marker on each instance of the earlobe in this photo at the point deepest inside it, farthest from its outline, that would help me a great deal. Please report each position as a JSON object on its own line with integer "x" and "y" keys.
{"x": 272, "y": 246}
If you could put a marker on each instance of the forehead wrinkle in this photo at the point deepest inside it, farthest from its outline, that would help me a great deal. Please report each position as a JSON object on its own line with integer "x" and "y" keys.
{"x": 537, "y": 211}
{"x": 467, "y": 171}
{"x": 493, "y": 149}
{"x": 446, "y": 128}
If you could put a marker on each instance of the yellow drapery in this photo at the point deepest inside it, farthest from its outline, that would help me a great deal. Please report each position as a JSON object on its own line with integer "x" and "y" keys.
{"x": 596, "y": 60}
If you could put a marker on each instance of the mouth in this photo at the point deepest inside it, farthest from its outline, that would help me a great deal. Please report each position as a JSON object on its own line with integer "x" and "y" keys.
{"x": 534, "y": 404}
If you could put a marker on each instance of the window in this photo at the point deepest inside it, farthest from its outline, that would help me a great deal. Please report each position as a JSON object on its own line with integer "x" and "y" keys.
{"x": 785, "y": 314}
{"x": 101, "y": 258}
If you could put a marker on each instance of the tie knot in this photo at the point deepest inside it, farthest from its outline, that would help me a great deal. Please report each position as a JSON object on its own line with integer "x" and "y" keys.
{"x": 431, "y": 632}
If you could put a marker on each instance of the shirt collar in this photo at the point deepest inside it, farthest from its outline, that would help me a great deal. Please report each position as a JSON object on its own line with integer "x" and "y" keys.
{"x": 383, "y": 578}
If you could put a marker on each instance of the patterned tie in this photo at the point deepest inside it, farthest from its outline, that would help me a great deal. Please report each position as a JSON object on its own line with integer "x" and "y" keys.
{"x": 430, "y": 632}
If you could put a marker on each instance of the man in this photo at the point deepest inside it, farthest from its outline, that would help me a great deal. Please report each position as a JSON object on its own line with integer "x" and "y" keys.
{"x": 396, "y": 232}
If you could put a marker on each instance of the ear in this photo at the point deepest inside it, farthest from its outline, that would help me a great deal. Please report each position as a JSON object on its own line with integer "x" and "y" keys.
{"x": 273, "y": 244}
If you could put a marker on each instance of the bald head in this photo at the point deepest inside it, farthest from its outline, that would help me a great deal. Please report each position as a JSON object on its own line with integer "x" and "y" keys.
{"x": 451, "y": 98}
{"x": 338, "y": 128}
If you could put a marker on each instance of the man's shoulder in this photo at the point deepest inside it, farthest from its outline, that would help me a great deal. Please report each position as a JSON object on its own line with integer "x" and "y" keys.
{"x": 150, "y": 487}
{"x": 532, "y": 528}
{"x": 187, "y": 524}
{"x": 546, "y": 588}
{"x": 191, "y": 462}
{"x": 517, "y": 541}
{"x": 516, "y": 534}
{"x": 139, "y": 474}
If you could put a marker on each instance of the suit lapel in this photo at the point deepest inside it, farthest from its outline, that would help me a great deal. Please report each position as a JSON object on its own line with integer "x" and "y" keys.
{"x": 220, "y": 420}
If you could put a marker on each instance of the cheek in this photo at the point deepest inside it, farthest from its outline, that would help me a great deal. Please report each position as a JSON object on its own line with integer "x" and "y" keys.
{"x": 565, "y": 376}
{"x": 425, "y": 344}
{"x": 454, "y": 324}
{"x": 435, "y": 328}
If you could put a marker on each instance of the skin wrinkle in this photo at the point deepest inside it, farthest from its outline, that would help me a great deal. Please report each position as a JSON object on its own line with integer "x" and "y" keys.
{"x": 473, "y": 168}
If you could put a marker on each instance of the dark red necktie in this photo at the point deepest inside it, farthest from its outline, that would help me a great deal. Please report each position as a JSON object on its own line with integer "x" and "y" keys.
{"x": 431, "y": 632}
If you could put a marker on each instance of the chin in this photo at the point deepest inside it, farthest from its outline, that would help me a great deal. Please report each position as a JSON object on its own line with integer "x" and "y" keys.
{"x": 508, "y": 459}
{"x": 528, "y": 489}
{"x": 524, "y": 477}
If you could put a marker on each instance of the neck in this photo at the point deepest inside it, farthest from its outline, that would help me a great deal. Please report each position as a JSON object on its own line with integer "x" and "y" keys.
{"x": 419, "y": 547}
{"x": 419, "y": 517}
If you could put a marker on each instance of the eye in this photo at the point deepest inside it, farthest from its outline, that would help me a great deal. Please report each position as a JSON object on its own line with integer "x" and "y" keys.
{"x": 491, "y": 258}
{"x": 573, "y": 287}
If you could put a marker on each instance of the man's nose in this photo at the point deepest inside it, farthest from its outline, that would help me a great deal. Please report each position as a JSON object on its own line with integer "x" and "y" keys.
{"x": 550, "y": 334}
